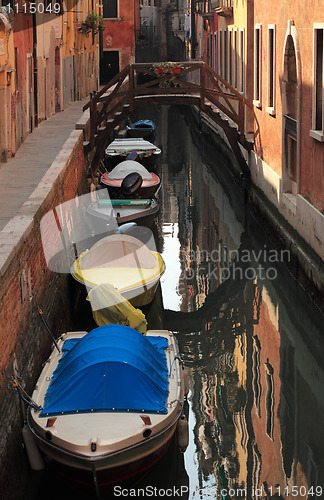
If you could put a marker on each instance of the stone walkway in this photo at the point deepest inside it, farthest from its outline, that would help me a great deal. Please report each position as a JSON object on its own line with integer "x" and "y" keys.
{"x": 22, "y": 174}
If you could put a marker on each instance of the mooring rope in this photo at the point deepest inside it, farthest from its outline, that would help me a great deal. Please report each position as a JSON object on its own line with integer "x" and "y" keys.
{"x": 24, "y": 396}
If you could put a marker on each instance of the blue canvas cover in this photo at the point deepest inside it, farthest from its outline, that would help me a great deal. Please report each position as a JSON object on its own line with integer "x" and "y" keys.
{"x": 143, "y": 124}
{"x": 112, "y": 368}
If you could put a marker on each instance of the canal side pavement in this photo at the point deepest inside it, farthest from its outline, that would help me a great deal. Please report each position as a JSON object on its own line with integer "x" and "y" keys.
{"x": 23, "y": 173}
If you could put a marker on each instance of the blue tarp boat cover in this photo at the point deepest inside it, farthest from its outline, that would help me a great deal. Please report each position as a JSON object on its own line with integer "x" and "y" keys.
{"x": 142, "y": 124}
{"x": 112, "y": 368}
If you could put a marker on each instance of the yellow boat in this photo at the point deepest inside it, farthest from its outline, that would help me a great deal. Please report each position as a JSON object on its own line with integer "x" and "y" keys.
{"x": 124, "y": 262}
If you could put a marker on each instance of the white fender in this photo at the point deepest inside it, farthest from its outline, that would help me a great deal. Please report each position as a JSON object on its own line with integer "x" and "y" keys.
{"x": 35, "y": 458}
{"x": 183, "y": 433}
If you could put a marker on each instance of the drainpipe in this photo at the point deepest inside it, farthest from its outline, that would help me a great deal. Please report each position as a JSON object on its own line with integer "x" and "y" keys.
{"x": 35, "y": 70}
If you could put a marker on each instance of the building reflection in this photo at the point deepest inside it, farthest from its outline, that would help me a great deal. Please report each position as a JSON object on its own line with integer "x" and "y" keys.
{"x": 255, "y": 358}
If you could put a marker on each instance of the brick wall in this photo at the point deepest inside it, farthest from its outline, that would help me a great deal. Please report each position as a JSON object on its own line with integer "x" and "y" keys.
{"x": 26, "y": 281}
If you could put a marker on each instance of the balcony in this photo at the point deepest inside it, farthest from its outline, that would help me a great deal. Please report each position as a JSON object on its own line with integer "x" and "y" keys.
{"x": 224, "y": 8}
{"x": 207, "y": 8}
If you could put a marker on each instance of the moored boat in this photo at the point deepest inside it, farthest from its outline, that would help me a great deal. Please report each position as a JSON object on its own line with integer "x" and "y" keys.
{"x": 123, "y": 261}
{"x": 107, "y": 403}
{"x": 142, "y": 211}
{"x": 141, "y": 128}
{"x": 140, "y": 149}
{"x": 113, "y": 180}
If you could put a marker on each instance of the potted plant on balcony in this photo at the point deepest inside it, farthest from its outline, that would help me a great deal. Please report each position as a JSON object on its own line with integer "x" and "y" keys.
{"x": 93, "y": 22}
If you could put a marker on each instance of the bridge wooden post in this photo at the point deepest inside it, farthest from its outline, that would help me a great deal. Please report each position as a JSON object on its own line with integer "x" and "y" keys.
{"x": 93, "y": 121}
{"x": 202, "y": 86}
{"x": 131, "y": 88}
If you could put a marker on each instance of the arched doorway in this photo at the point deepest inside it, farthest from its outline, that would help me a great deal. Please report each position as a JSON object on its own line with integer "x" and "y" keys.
{"x": 290, "y": 107}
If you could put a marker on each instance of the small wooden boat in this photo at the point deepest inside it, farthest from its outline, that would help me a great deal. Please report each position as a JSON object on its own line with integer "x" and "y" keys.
{"x": 141, "y": 128}
{"x": 125, "y": 262}
{"x": 140, "y": 149}
{"x": 113, "y": 180}
{"x": 142, "y": 211}
{"x": 108, "y": 402}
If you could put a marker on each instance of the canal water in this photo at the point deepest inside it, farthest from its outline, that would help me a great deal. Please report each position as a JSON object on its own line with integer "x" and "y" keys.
{"x": 249, "y": 334}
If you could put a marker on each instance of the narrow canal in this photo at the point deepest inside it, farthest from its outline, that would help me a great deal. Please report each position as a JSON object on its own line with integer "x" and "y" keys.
{"x": 247, "y": 331}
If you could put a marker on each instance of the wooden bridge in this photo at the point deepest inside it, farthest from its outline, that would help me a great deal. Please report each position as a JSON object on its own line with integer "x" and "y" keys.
{"x": 183, "y": 83}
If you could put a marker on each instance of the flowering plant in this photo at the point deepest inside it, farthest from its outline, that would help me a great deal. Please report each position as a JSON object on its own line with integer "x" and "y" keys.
{"x": 167, "y": 67}
{"x": 93, "y": 22}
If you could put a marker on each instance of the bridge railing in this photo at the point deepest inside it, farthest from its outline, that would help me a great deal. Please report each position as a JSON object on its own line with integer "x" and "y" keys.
{"x": 140, "y": 84}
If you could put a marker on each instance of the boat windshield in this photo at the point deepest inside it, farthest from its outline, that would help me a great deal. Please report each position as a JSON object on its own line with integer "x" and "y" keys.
{"x": 119, "y": 250}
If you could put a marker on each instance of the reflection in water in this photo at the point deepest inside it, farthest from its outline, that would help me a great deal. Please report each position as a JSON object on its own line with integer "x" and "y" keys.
{"x": 249, "y": 335}
{"x": 252, "y": 342}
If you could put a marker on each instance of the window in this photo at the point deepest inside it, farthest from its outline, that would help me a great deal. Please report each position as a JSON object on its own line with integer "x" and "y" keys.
{"x": 292, "y": 157}
{"x": 230, "y": 57}
{"x": 215, "y": 53}
{"x": 242, "y": 60}
{"x": 110, "y": 8}
{"x": 225, "y": 73}
{"x": 221, "y": 53}
{"x": 256, "y": 384}
{"x": 235, "y": 59}
{"x": 144, "y": 31}
{"x": 318, "y": 84}
{"x": 65, "y": 12}
{"x": 269, "y": 401}
{"x": 271, "y": 70}
{"x": 257, "y": 66}
{"x": 81, "y": 10}
{"x": 211, "y": 55}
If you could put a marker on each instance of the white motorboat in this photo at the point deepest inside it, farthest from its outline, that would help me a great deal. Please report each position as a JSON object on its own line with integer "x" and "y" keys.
{"x": 108, "y": 402}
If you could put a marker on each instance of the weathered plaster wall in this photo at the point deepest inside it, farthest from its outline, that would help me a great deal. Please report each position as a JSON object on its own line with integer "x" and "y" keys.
{"x": 120, "y": 32}
{"x": 295, "y": 18}
{"x": 7, "y": 89}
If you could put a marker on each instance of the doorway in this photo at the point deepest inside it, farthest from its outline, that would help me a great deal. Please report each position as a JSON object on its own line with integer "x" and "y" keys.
{"x": 109, "y": 65}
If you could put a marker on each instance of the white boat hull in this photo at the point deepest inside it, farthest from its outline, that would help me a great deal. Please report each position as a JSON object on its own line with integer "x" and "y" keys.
{"x": 115, "y": 445}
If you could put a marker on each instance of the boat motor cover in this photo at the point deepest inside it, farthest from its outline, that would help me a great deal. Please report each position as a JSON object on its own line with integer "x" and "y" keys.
{"x": 131, "y": 184}
{"x": 112, "y": 368}
{"x": 129, "y": 166}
